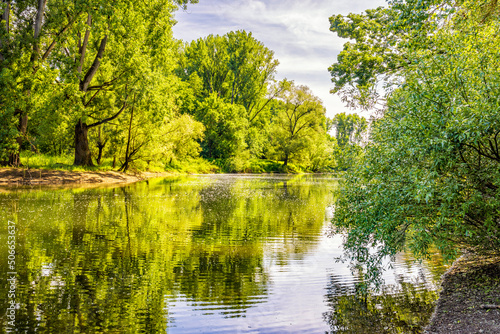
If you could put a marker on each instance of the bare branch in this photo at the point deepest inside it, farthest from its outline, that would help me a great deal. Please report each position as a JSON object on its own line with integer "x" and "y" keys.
{"x": 109, "y": 118}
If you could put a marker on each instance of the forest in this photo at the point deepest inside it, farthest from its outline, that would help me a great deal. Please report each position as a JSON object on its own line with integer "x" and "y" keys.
{"x": 107, "y": 85}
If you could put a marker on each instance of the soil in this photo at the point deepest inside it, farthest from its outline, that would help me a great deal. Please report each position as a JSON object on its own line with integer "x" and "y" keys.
{"x": 13, "y": 177}
{"x": 469, "y": 302}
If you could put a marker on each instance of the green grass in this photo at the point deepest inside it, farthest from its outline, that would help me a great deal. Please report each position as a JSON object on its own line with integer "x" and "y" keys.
{"x": 188, "y": 166}
{"x": 62, "y": 162}
{"x": 192, "y": 166}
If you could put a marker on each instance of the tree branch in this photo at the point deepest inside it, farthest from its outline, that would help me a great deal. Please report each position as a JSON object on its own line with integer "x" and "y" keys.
{"x": 83, "y": 47}
{"x": 109, "y": 118}
{"x": 84, "y": 84}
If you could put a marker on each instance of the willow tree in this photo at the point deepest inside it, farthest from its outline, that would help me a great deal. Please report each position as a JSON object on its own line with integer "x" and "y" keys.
{"x": 430, "y": 176}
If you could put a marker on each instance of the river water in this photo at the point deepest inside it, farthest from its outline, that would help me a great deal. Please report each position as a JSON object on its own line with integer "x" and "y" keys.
{"x": 199, "y": 254}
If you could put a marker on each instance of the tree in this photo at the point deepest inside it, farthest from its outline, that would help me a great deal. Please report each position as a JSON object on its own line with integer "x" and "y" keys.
{"x": 80, "y": 60}
{"x": 349, "y": 132}
{"x": 225, "y": 128}
{"x": 430, "y": 174}
{"x": 20, "y": 37}
{"x": 298, "y": 122}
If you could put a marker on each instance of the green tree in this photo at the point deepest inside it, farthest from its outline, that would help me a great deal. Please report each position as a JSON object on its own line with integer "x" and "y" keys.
{"x": 429, "y": 176}
{"x": 298, "y": 123}
{"x": 349, "y": 131}
{"x": 80, "y": 63}
{"x": 236, "y": 66}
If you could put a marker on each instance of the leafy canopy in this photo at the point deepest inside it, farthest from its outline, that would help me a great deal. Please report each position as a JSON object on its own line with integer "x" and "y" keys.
{"x": 430, "y": 175}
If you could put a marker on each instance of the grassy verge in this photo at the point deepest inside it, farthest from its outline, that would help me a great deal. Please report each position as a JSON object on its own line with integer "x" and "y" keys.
{"x": 189, "y": 166}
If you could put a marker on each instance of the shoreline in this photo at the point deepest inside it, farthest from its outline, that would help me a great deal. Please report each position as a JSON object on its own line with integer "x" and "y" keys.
{"x": 21, "y": 177}
{"x": 11, "y": 177}
{"x": 469, "y": 301}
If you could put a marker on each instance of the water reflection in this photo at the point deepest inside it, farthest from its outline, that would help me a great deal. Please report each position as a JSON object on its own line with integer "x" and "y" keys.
{"x": 197, "y": 254}
{"x": 404, "y": 307}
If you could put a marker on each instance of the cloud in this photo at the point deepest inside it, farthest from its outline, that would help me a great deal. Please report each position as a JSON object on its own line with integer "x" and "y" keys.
{"x": 296, "y": 30}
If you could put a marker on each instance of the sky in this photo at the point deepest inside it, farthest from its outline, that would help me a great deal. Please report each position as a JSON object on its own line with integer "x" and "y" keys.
{"x": 296, "y": 30}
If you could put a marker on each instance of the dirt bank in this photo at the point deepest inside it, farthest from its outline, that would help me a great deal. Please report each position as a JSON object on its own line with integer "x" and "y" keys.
{"x": 21, "y": 177}
{"x": 469, "y": 302}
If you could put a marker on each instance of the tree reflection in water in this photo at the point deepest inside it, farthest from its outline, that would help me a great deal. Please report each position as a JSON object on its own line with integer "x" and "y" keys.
{"x": 114, "y": 260}
{"x": 404, "y": 307}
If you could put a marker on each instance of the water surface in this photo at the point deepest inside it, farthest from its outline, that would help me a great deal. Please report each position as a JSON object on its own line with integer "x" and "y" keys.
{"x": 201, "y": 254}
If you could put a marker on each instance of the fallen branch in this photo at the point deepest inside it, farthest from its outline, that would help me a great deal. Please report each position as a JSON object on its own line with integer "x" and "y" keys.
{"x": 490, "y": 307}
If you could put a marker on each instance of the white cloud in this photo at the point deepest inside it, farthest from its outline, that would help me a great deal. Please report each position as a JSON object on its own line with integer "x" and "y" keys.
{"x": 296, "y": 30}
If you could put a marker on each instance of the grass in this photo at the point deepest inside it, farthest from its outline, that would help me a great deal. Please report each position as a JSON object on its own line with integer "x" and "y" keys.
{"x": 62, "y": 162}
{"x": 188, "y": 166}
{"x": 192, "y": 166}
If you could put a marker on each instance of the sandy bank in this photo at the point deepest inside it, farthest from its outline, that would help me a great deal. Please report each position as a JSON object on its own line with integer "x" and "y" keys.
{"x": 469, "y": 302}
{"x": 21, "y": 177}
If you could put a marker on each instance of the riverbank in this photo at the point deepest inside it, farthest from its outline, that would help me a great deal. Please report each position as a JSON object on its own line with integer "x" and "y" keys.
{"x": 470, "y": 298}
{"x": 22, "y": 177}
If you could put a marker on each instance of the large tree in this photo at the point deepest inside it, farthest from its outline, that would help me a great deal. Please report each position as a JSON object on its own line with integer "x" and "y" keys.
{"x": 236, "y": 72}
{"x": 298, "y": 122}
{"x": 350, "y": 130}
{"x": 82, "y": 60}
{"x": 430, "y": 174}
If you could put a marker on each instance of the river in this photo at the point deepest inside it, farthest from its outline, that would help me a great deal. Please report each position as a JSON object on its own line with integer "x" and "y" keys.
{"x": 197, "y": 254}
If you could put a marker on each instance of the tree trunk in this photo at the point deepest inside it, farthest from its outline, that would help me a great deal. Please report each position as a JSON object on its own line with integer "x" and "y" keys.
{"x": 15, "y": 158}
{"x": 83, "y": 157}
{"x": 285, "y": 163}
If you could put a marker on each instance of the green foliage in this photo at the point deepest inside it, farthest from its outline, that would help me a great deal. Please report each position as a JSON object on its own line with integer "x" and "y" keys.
{"x": 400, "y": 308}
{"x": 59, "y": 162}
{"x": 192, "y": 166}
{"x": 235, "y": 66}
{"x": 8, "y": 132}
{"x": 349, "y": 132}
{"x": 298, "y": 124}
{"x": 430, "y": 174}
{"x": 108, "y": 81}
{"x": 225, "y": 128}
{"x": 118, "y": 256}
